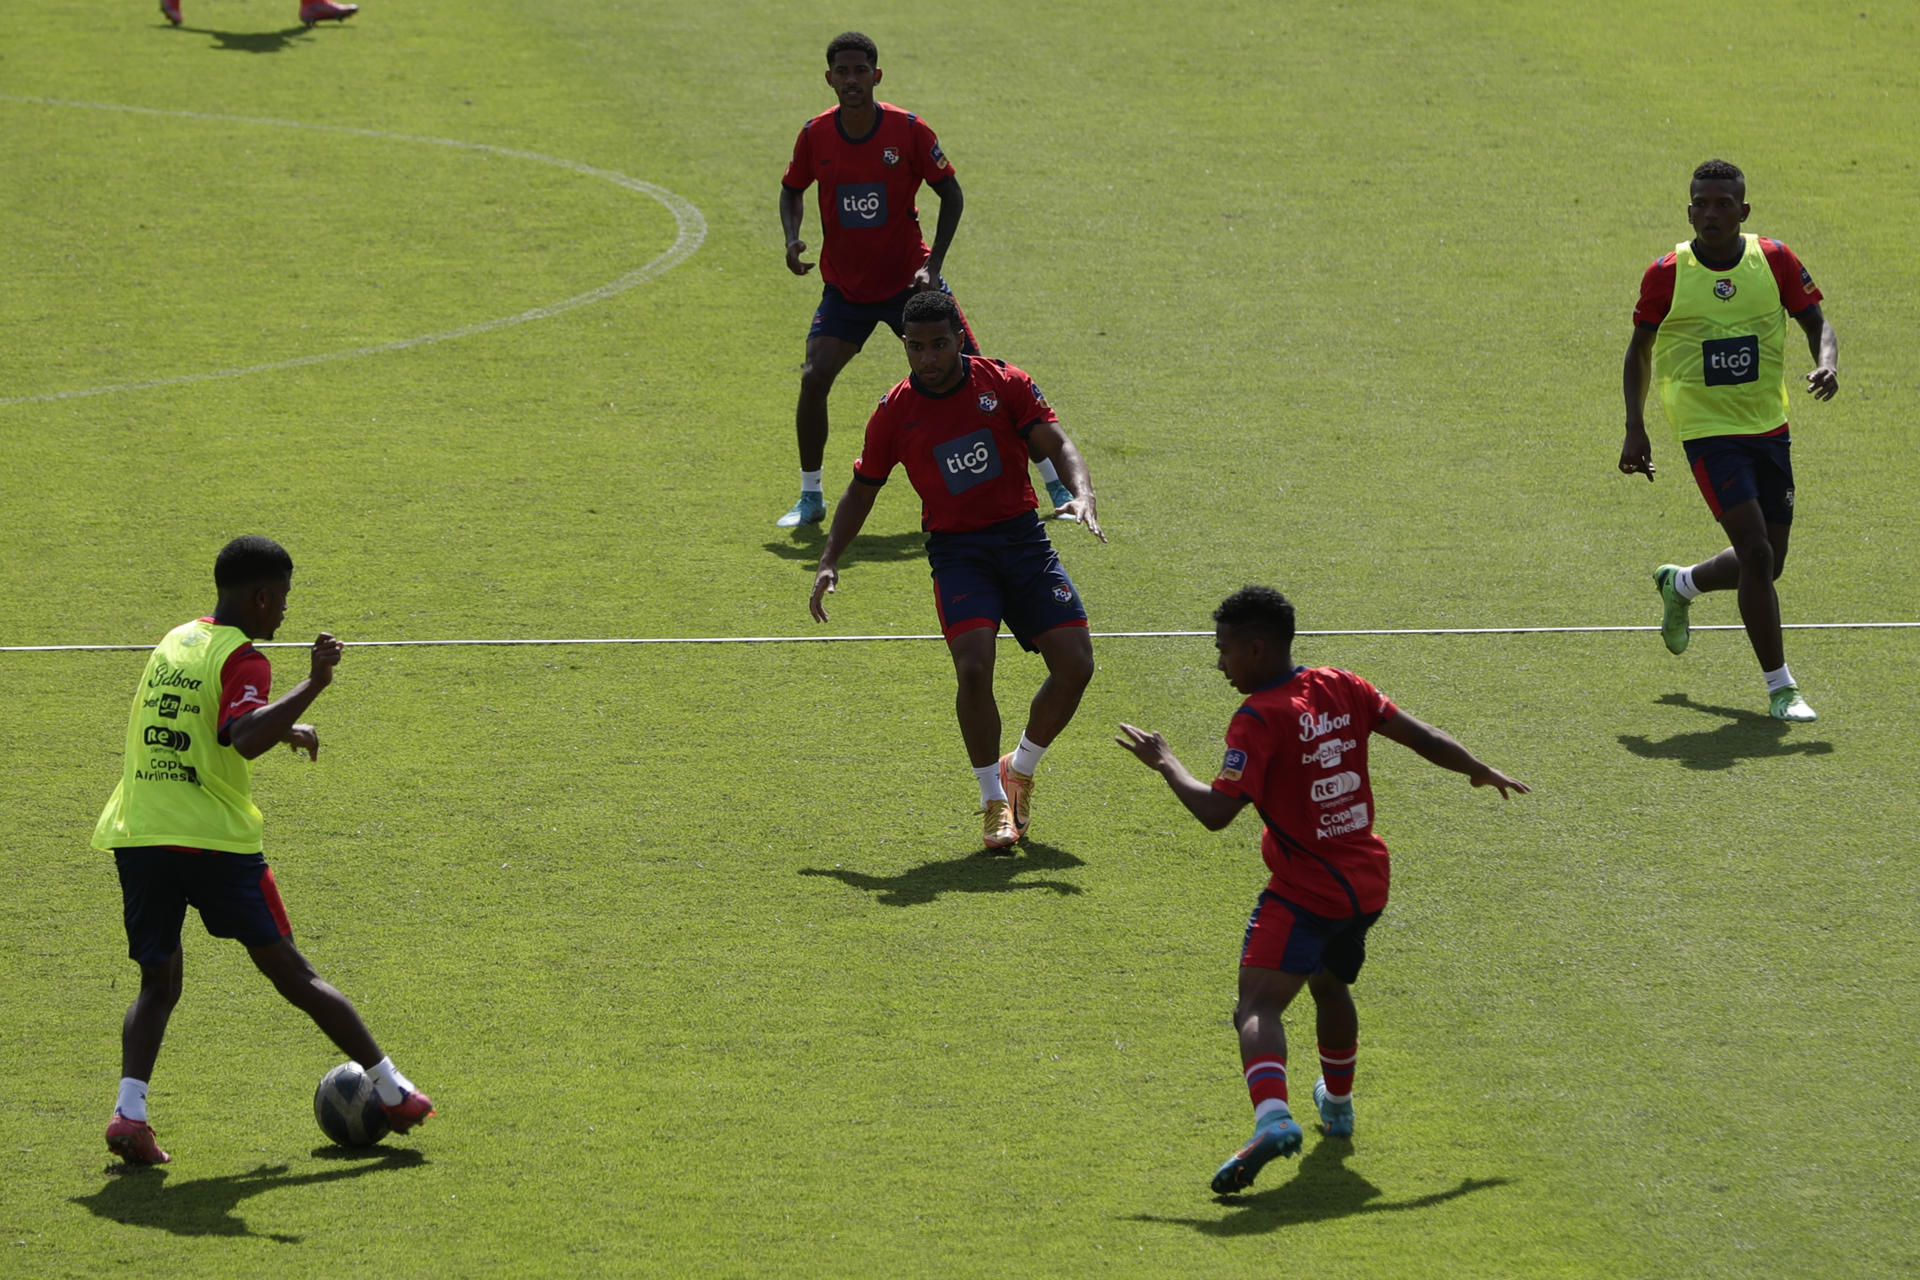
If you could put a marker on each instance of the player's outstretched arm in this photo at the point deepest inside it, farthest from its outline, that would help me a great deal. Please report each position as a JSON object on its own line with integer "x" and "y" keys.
{"x": 848, "y": 519}
{"x": 1215, "y": 809}
{"x": 1824, "y": 343}
{"x": 1443, "y": 749}
{"x": 1048, "y": 441}
{"x": 1636, "y": 375}
{"x": 258, "y": 731}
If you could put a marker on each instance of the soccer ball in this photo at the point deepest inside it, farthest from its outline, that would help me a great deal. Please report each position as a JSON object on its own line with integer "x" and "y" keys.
{"x": 348, "y": 1109}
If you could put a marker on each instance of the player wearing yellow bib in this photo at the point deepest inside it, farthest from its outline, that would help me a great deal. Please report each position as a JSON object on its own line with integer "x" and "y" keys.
{"x": 183, "y": 829}
{"x": 1711, "y": 329}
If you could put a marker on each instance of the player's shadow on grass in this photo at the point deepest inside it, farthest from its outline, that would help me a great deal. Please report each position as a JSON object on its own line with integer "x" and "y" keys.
{"x": 1323, "y": 1189}
{"x": 142, "y": 1196}
{"x": 251, "y": 41}
{"x": 1747, "y": 735}
{"x": 874, "y": 548}
{"x": 981, "y": 873}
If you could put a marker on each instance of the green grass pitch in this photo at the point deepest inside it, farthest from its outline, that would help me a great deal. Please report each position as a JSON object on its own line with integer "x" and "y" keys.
{"x": 691, "y": 944}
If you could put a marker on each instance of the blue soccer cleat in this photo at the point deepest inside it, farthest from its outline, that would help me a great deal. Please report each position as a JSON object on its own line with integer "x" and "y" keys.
{"x": 1059, "y": 495}
{"x": 1336, "y": 1118}
{"x": 811, "y": 509}
{"x": 1278, "y": 1136}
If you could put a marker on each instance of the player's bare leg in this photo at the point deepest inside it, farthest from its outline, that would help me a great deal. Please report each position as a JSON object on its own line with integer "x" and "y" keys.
{"x": 1264, "y": 997}
{"x": 303, "y": 988}
{"x": 826, "y": 357}
{"x": 1751, "y": 566}
{"x": 979, "y": 715}
{"x": 1068, "y": 652}
{"x": 146, "y": 1021}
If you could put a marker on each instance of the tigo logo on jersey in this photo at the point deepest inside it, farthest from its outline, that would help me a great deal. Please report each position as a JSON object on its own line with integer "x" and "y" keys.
{"x": 890, "y": 157}
{"x": 1726, "y": 362}
{"x": 862, "y": 204}
{"x": 1723, "y": 289}
{"x": 1340, "y": 784}
{"x": 968, "y": 461}
{"x": 1234, "y": 765}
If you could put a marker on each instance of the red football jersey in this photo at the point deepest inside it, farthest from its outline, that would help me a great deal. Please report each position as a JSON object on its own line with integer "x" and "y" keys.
{"x": 1797, "y": 290}
{"x": 246, "y": 684}
{"x": 965, "y": 450}
{"x": 1297, "y": 750}
{"x": 870, "y": 227}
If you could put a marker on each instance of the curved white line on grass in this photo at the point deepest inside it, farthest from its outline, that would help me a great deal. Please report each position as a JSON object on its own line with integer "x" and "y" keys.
{"x": 691, "y": 225}
{"x": 1098, "y": 635}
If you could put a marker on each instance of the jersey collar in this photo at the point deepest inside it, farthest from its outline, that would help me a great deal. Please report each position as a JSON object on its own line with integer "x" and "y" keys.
{"x": 1282, "y": 680}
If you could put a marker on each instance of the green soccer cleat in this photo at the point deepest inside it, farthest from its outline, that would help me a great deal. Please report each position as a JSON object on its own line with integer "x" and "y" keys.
{"x": 1336, "y": 1118}
{"x": 811, "y": 509}
{"x": 1059, "y": 495}
{"x": 1279, "y": 1136}
{"x": 1787, "y": 704}
{"x": 1673, "y": 610}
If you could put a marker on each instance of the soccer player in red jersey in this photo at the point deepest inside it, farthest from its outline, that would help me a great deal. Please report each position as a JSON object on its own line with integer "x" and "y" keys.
{"x": 1297, "y": 751}
{"x": 870, "y": 159}
{"x": 1710, "y": 329}
{"x": 184, "y": 831}
{"x": 964, "y": 427}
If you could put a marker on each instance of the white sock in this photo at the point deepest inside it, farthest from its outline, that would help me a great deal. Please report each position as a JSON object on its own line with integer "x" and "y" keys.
{"x": 1778, "y": 680}
{"x": 990, "y": 788}
{"x": 1683, "y": 585}
{"x": 810, "y": 481}
{"x": 1047, "y": 470}
{"x": 388, "y": 1082}
{"x": 1026, "y": 757}
{"x": 1267, "y": 1108}
{"x": 133, "y": 1099}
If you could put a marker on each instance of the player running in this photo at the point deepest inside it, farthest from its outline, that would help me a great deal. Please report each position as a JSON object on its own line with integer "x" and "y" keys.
{"x": 184, "y": 831}
{"x": 964, "y": 428}
{"x": 869, "y": 158}
{"x": 1711, "y": 330}
{"x": 1297, "y": 751}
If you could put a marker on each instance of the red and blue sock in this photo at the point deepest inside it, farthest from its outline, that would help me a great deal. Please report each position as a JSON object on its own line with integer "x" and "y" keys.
{"x": 1267, "y": 1085}
{"x": 1336, "y": 1068}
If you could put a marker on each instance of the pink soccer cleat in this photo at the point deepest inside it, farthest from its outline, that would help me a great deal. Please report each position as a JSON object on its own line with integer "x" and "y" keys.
{"x": 170, "y": 10}
{"x": 133, "y": 1141}
{"x": 409, "y": 1111}
{"x": 326, "y": 11}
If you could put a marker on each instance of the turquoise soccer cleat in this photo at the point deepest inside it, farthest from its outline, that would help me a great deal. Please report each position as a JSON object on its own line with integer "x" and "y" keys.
{"x": 811, "y": 509}
{"x": 1673, "y": 610}
{"x": 1279, "y": 1136}
{"x": 1059, "y": 495}
{"x": 1336, "y": 1118}
{"x": 1787, "y": 704}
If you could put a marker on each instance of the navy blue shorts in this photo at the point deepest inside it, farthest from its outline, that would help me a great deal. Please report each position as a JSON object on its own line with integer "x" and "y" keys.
{"x": 233, "y": 892}
{"x": 1293, "y": 939}
{"x": 854, "y": 321}
{"x": 1731, "y": 470}
{"x": 1004, "y": 572}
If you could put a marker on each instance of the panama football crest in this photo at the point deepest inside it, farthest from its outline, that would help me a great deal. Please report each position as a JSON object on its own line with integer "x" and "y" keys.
{"x": 1723, "y": 289}
{"x": 988, "y": 402}
{"x": 890, "y": 157}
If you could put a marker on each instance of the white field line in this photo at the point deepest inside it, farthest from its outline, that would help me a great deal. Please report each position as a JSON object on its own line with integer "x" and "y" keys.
{"x": 1098, "y": 635}
{"x": 691, "y": 226}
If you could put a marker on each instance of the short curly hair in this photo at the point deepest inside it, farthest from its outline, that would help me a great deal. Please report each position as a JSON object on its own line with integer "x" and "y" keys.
{"x": 1261, "y": 610}
{"x": 1722, "y": 171}
{"x": 854, "y": 40}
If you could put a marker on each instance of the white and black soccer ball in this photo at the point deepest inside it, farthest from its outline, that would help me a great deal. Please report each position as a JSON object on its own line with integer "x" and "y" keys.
{"x": 348, "y": 1109}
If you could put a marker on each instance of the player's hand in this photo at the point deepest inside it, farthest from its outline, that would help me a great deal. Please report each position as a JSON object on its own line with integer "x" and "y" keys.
{"x": 1495, "y": 778}
{"x": 924, "y": 279}
{"x": 326, "y": 656}
{"x": 1636, "y": 453}
{"x": 1149, "y": 748}
{"x": 304, "y": 737}
{"x": 825, "y": 583}
{"x": 794, "y": 249}
{"x": 1824, "y": 382}
{"x": 1081, "y": 509}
